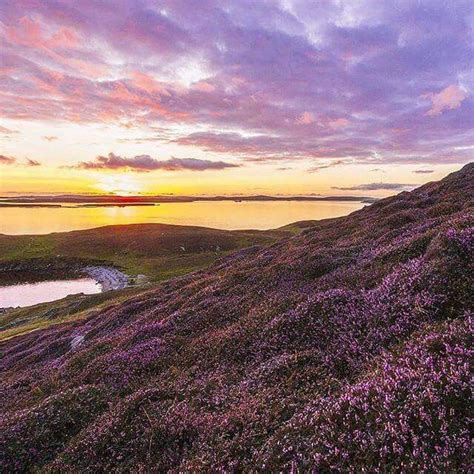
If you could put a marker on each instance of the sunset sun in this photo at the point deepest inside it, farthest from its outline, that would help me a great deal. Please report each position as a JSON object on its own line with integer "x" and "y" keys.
{"x": 122, "y": 184}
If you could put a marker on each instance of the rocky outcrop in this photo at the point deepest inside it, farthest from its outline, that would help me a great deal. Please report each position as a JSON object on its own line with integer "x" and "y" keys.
{"x": 108, "y": 277}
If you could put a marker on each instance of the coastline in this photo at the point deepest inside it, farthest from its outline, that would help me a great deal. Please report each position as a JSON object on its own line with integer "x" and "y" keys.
{"x": 125, "y": 201}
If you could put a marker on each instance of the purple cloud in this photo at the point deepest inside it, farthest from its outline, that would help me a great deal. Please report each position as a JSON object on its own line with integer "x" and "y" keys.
{"x": 376, "y": 187}
{"x": 6, "y": 160}
{"x": 146, "y": 163}
{"x": 423, "y": 171}
{"x": 30, "y": 162}
{"x": 315, "y": 169}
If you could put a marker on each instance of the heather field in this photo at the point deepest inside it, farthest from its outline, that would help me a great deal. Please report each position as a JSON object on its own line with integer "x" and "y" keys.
{"x": 346, "y": 347}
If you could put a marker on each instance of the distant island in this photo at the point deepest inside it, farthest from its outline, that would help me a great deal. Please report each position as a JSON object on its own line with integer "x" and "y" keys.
{"x": 116, "y": 200}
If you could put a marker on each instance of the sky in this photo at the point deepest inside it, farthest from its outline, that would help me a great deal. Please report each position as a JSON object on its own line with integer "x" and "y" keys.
{"x": 212, "y": 97}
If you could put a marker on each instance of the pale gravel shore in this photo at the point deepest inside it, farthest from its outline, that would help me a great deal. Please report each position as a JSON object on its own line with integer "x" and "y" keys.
{"x": 108, "y": 277}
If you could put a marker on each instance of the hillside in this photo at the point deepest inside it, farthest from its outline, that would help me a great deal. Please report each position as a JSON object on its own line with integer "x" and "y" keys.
{"x": 155, "y": 252}
{"x": 344, "y": 348}
{"x": 159, "y": 251}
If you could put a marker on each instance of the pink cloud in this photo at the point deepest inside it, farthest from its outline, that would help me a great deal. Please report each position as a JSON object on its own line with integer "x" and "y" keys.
{"x": 9, "y": 160}
{"x": 317, "y": 168}
{"x": 203, "y": 86}
{"x": 6, "y": 160}
{"x": 31, "y": 33}
{"x": 64, "y": 38}
{"x": 30, "y": 162}
{"x": 147, "y": 83}
{"x": 26, "y": 33}
{"x": 86, "y": 68}
{"x": 339, "y": 123}
{"x": 306, "y": 118}
{"x": 448, "y": 99}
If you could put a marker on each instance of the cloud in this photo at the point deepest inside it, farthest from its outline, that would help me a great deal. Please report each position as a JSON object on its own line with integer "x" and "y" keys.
{"x": 280, "y": 80}
{"x": 145, "y": 163}
{"x": 306, "y": 118}
{"x": 204, "y": 86}
{"x": 315, "y": 169}
{"x": 376, "y": 187}
{"x": 7, "y": 131}
{"x": 30, "y": 162}
{"x": 6, "y": 160}
{"x": 266, "y": 148}
{"x": 423, "y": 171}
{"x": 339, "y": 123}
{"x": 448, "y": 99}
{"x": 50, "y": 138}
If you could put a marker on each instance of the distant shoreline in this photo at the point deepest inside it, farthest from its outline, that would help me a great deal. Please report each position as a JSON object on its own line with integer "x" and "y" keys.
{"x": 122, "y": 201}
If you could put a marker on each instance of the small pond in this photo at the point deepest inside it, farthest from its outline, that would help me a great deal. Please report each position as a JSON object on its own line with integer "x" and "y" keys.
{"x": 27, "y": 294}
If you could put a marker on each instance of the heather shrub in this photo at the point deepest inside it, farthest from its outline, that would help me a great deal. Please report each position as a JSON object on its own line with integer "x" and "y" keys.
{"x": 443, "y": 209}
{"x": 401, "y": 218}
{"x": 47, "y": 427}
{"x": 410, "y": 413}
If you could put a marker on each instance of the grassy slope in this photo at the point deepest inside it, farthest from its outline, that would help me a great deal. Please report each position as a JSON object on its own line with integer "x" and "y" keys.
{"x": 156, "y": 250}
{"x": 23, "y": 320}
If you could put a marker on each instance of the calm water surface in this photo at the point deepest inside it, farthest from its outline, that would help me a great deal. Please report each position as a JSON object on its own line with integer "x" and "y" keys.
{"x": 226, "y": 215}
{"x": 27, "y": 294}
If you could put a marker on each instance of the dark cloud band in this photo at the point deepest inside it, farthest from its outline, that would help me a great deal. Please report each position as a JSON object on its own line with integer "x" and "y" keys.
{"x": 145, "y": 163}
{"x": 376, "y": 187}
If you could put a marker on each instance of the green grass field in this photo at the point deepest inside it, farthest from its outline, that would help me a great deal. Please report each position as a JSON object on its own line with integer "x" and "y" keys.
{"x": 156, "y": 250}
